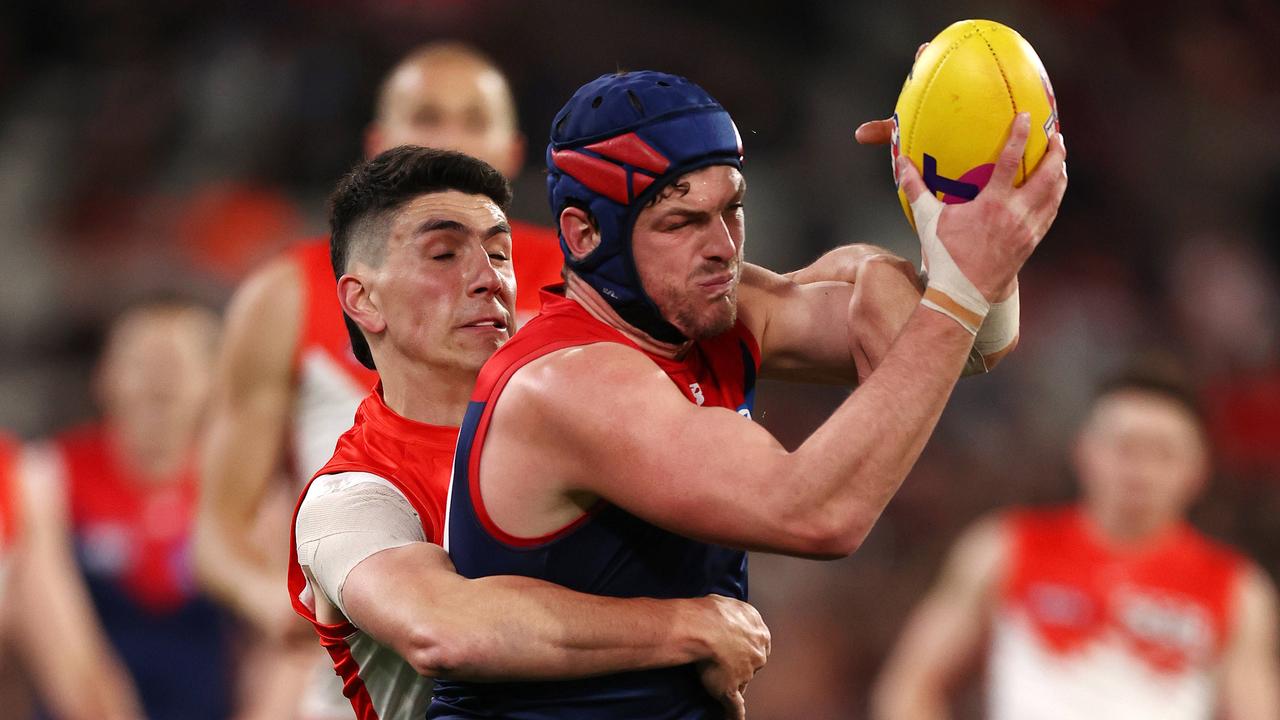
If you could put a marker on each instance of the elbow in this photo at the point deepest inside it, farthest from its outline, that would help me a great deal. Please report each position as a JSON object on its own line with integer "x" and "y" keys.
{"x": 829, "y": 535}
{"x": 435, "y": 654}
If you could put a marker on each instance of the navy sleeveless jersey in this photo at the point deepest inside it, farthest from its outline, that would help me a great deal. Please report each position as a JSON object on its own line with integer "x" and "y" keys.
{"x": 607, "y": 551}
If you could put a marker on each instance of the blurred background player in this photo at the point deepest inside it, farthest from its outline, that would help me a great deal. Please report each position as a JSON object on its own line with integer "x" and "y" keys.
{"x": 1114, "y": 607}
{"x": 116, "y": 499}
{"x": 288, "y": 384}
{"x": 47, "y": 624}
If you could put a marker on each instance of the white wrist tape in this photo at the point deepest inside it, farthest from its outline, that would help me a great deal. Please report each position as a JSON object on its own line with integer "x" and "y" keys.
{"x": 1000, "y": 328}
{"x": 948, "y": 291}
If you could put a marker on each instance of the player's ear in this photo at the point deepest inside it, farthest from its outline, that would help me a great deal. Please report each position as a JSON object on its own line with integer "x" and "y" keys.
{"x": 579, "y": 231}
{"x": 359, "y": 304}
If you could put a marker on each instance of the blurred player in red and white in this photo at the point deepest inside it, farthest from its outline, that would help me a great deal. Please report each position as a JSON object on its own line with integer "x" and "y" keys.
{"x": 108, "y": 509}
{"x": 1114, "y": 607}
{"x": 288, "y": 384}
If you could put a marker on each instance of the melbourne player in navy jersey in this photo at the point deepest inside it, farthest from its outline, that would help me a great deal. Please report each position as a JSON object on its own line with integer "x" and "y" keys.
{"x": 611, "y": 452}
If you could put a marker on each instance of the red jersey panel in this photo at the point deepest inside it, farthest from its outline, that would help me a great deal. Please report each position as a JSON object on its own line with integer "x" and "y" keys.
{"x": 131, "y": 530}
{"x": 9, "y": 500}
{"x": 536, "y": 254}
{"x": 1080, "y": 621}
{"x": 414, "y": 457}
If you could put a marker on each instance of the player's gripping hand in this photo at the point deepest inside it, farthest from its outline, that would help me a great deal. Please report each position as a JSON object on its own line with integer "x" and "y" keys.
{"x": 973, "y": 251}
{"x": 738, "y": 642}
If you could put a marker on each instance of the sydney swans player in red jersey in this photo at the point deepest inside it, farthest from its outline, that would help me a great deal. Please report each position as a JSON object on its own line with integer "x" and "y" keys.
{"x": 1111, "y": 608}
{"x": 423, "y": 250}
{"x": 288, "y": 384}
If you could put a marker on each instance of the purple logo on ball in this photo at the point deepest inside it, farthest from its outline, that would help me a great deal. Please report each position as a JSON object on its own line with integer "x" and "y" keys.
{"x": 961, "y": 189}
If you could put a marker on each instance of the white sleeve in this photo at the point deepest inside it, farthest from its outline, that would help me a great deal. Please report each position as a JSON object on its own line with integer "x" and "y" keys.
{"x": 344, "y": 519}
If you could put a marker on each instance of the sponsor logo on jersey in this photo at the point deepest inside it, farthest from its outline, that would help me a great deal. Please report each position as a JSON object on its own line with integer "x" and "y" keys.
{"x": 696, "y": 389}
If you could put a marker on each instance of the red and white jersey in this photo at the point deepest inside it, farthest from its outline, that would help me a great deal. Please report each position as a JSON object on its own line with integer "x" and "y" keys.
{"x": 1086, "y": 630}
{"x": 416, "y": 459}
{"x": 9, "y": 504}
{"x": 331, "y": 382}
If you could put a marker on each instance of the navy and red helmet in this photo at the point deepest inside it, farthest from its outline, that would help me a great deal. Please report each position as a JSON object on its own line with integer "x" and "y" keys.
{"x": 616, "y": 144}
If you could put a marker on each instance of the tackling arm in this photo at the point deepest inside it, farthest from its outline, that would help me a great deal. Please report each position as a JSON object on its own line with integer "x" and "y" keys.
{"x": 1251, "y": 669}
{"x": 362, "y": 546}
{"x": 945, "y": 632}
{"x": 244, "y": 445}
{"x": 518, "y": 628}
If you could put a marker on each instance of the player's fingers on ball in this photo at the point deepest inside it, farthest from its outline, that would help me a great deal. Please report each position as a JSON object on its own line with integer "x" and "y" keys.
{"x": 920, "y": 50}
{"x": 909, "y": 179}
{"x": 1048, "y": 179}
{"x": 1010, "y": 159}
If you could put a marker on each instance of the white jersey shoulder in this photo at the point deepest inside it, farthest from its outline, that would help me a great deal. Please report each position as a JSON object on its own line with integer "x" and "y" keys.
{"x": 1100, "y": 681}
{"x": 324, "y": 408}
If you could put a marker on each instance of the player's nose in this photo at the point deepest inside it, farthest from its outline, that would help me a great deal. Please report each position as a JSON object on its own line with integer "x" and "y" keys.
{"x": 485, "y": 278}
{"x": 719, "y": 244}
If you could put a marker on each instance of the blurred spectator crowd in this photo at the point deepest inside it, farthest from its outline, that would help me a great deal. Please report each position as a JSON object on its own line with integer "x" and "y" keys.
{"x": 156, "y": 147}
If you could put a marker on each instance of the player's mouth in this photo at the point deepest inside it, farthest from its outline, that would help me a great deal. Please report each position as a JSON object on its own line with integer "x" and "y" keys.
{"x": 717, "y": 285}
{"x": 491, "y": 323}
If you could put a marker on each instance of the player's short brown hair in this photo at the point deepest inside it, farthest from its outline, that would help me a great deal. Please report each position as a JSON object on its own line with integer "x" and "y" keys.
{"x": 1159, "y": 376}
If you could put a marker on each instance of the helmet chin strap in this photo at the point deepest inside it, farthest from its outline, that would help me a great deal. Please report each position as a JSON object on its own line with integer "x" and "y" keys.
{"x": 586, "y": 295}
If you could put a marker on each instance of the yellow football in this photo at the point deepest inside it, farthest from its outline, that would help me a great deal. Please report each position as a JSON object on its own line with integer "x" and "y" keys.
{"x": 953, "y": 114}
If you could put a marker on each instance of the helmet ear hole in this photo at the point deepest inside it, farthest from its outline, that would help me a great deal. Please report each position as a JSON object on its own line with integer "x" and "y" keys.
{"x": 663, "y": 83}
{"x": 635, "y": 102}
{"x": 596, "y": 103}
{"x": 560, "y": 125}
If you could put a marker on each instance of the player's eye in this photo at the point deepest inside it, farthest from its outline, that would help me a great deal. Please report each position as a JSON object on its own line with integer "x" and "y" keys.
{"x": 443, "y": 256}
{"x": 500, "y": 257}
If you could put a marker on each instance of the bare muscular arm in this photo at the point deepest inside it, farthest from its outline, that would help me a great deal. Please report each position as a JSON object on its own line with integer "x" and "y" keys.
{"x": 1250, "y": 687}
{"x": 244, "y": 445}
{"x": 945, "y": 632}
{"x": 517, "y": 628}
{"x": 707, "y": 472}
